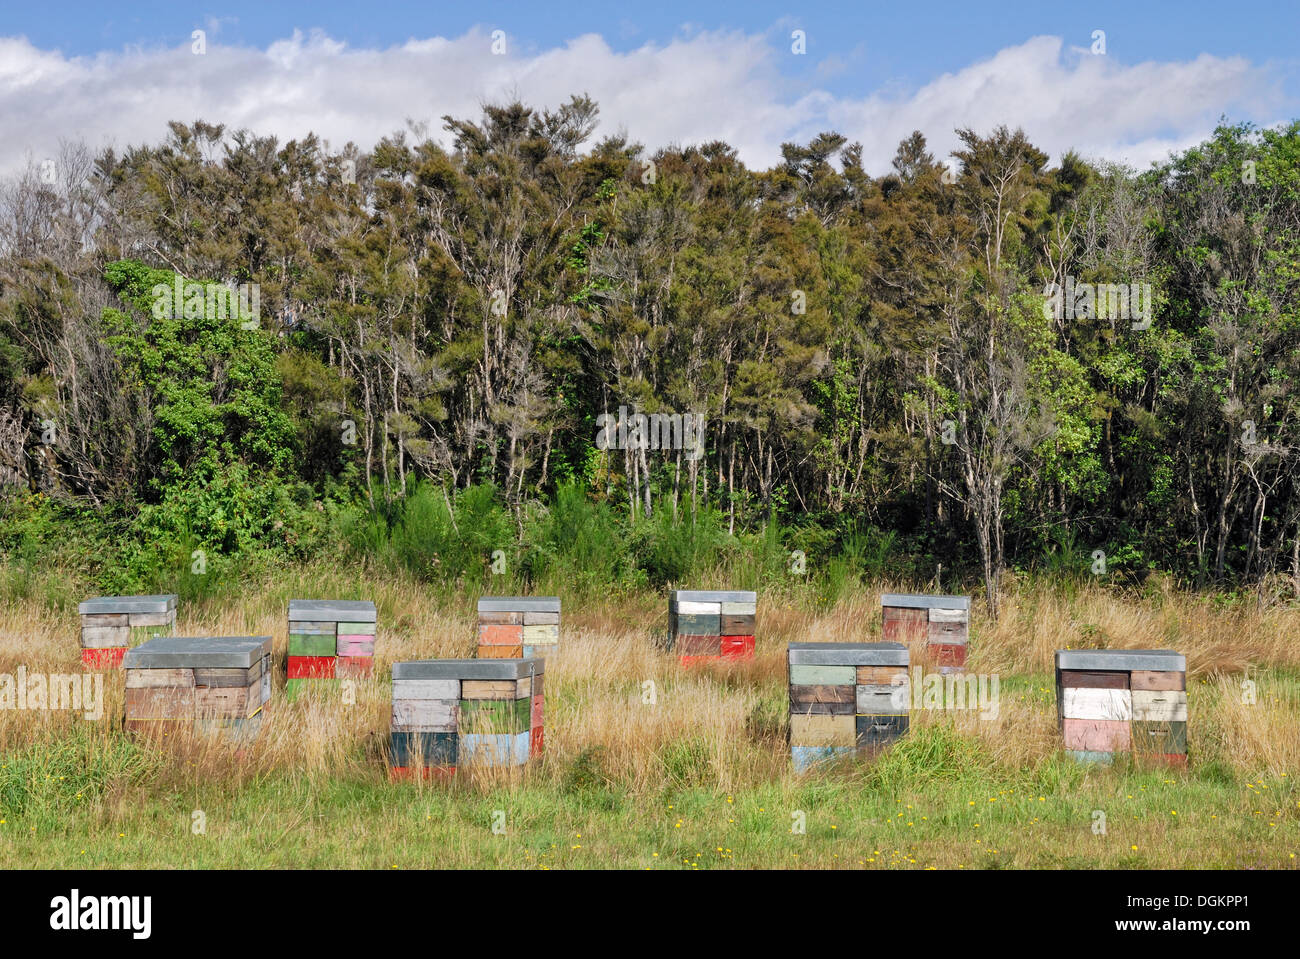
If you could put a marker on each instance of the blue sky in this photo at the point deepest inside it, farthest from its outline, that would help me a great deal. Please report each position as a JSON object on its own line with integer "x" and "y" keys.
{"x": 871, "y": 68}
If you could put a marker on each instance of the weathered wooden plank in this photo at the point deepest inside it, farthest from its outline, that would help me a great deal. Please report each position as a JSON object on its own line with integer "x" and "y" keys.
{"x": 1159, "y": 737}
{"x": 698, "y": 645}
{"x": 92, "y": 620}
{"x": 495, "y": 635}
{"x": 170, "y": 702}
{"x": 879, "y": 730}
{"x": 736, "y": 647}
{"x": 737, "y": 625}
{"x": 501, "y": 617}
{"x": 425, "y": 715}
{"x": 804, "y": 758}
{"x": 823, "y": 675}
{"x": 823, "y": 730}
{"x": 1160, "y": 705}
{"x": 823, "y": 709}
{"x": 1078, "y": 702}
{"x": 1164, "y": 679}
{"x": 541, "y": 635}
{"x": 490, "y": 689}
{"x": 349, "y": 628}
{"x": 429, "y": 749}
{"x": 821, "y": 693}
{"x": 501, "y": 652}
{"x": 426, "y": 689}
{"x": 354, "y": 646}
{"x": 947, "y": 633}
{"x": 304, "y": 644}
{"x": 158, "y": 678}
{"x": 946, "y": 654}
{"x": 881, "y": 699}
{"x": 697, "y": 625}
{"x": 949, "y": 616}
{"x": 167, "y": 618}
{"x": 739, "y": 609}
{"x": 1095, "y": 678}
{"x": 697, "y": 609}
{"x": 99, "y": 637}
{"x": 541, "y": 619}
{"x": 905, "y": 614}
{"x": 1097, "y": 735}
{"x": 311, "y": 667}
{"x": 881, "y": 675}
{"x": 904, "y": 632}
{"x": 227, "y": 702}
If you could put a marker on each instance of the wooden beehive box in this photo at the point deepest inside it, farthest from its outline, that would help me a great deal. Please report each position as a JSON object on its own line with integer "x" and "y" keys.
{"x": 1119, "y": 701}
{"x": 845, "y": 699}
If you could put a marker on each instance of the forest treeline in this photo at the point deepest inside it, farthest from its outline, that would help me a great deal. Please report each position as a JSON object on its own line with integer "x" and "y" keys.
{"x": 990, "y": 358}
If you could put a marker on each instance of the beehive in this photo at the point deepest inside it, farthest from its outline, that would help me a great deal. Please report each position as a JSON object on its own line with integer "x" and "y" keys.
{"x": 112, "y": 624}
{"x": 329, "y": 639}
{"x": 1121, "y": 701}
{"x": 449, "y": 713}
{"x": 204, "y": 682}
{"x": 708, "y": 624}
{"x": 514, "y": 627}
{"x": 845, "y": 699}
{"x": 937, "y": 626}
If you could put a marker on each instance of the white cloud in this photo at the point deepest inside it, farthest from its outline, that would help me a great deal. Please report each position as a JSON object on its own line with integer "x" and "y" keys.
{"x": 704, "y": 85}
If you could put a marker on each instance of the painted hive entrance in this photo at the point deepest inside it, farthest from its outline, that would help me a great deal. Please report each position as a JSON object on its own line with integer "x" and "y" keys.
{"x": 329, "y": 639}
{"x": 465, "y": 712}
{"x": 1119, "y": 701}
{"x": 937, "y": 625}
{"x": 514, "y": 627}
{"x": 845, "y": 698}
{"x": 209, "y": 683}
{"x": 112, "y": 624}
{"x": 705, "y": 624}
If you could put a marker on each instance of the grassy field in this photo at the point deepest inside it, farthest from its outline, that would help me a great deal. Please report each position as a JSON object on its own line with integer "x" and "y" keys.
{"x": 700, "y": 778}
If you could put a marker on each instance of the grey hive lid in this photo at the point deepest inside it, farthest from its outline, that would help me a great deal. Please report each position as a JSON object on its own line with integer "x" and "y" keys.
{"x": 1156, "y": 660}
{"x": 207, "y": 652}
{"x": 848, "y": 654}
{"x": 714, "y": 596}
{"x": 917, "y": 601}
{"x": 100, "y": 605}
{"x": 332, "y": 610}
{"x": 469, "y": 669}
{"x": 519, "y": 604}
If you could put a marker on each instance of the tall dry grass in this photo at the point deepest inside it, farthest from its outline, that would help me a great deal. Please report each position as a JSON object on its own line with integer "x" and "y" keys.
{"x": 622, "y": 708}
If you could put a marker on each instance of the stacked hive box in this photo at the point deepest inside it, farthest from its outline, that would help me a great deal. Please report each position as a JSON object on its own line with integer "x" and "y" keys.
{"x": 329, "y": 640}
{"x": 939, "y": 624}
{"x": 712, "y": 624}
{"x": 510, "y": 627}
{"x": 1117, "y": 701}
{"x": 465, "y": 712}
{"x": 208, "y": 682}
{"x": 845, "y": 698}
{"x": 111, "y": 624}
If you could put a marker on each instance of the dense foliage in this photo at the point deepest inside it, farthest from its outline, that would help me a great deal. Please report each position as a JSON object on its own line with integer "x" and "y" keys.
{"x": 440, "y": 330}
